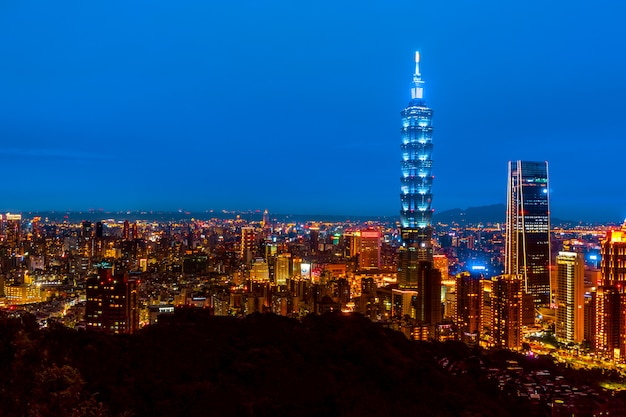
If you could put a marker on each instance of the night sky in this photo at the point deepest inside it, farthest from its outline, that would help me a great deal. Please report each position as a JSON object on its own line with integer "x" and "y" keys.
{"x": 295, "y": 106}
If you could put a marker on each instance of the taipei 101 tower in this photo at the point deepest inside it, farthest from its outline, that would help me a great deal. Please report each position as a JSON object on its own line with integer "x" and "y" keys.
{"x": 416, "y": 272}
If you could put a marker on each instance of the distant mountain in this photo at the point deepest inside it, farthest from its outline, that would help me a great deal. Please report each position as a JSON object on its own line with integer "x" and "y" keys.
{"x": 182, "y": 215}
{"x": 495, "y": 213}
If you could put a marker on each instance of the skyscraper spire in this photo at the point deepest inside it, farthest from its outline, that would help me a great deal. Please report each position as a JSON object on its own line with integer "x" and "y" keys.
{"x": 417, "y": 64}
{"x": 417, "y": 89}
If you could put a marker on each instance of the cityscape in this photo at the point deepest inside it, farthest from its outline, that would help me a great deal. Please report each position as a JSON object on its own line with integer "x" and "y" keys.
{"x": 522, "y": 285}
{"x": 343, "y": 209}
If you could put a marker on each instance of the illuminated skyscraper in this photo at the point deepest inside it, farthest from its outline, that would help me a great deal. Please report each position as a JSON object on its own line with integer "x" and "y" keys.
{"x": 415, "y": 267}
{"x": 610, "y": 338}
{"x": 528, "y": 228}
{"x": 416, "y": 180}
{"x": 570, "y": 293}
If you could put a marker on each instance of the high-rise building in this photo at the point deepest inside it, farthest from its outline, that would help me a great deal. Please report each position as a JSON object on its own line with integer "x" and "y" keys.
{"x": 248, "y": 245}
{"x": 99, "y": 230}
{"x": 448, "y": 287}
{"x": 281, "y": 269}
{"x": 369, "y": 249}
{"x": 416, "y": 180}
{"x": 265, "y": 223}
{"x": 112, "y": 302}
{"x": 570, "y": 293}
{"x": 126, "y": 230}
{"x": 473, "y": 308}
{"x": 12, "y": 229}
{"x": 486, "y": 312}
{"x": 415, "y": 263}
{"x": 36, "y": 227}
{"x": 528, "y": 228}
{"x": 468, "y": 306}
{"x": 86, "y": 239}
{"x": 610, "y": 337}
{"x": 506, "y": 297}
{"x": 259, "y": 272}
{"x": 366, "y": 245}
{"x": 441, "y": 263}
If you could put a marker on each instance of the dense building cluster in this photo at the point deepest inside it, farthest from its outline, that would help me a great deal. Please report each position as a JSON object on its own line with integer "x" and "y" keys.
{"x": 119, "y": 275}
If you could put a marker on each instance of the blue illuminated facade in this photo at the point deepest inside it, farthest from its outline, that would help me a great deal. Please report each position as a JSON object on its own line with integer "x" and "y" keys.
{"x": 416, "y": 165}
{"x": 415, "y": 184}
{"x": 416, "y": 271}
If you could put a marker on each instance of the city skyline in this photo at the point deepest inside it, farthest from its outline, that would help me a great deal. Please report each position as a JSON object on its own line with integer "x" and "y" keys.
{"x": 294, "y": 108}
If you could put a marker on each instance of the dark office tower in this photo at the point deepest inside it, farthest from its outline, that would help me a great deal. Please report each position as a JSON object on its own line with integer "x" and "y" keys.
{"x": 528, "y": 228}
{"x": 99, "y": 230}
{"x": 86, "y": 230}
{"x": 189, "y": 237}
{"x": 86, "y": 239}
{"x": 610, "y": 337}
{"x": 314, "y": 239}
{"x": 428, "y": 301}
{"x": 415, "y": 263}
{"x": 343, "y": 291}
{"x": 112, "y": 303}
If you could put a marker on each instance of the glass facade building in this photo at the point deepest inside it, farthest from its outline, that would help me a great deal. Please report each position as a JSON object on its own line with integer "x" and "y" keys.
{"x": 528, "y": 228}
{"x": 415, "y": 184}
{"x": 416, "y": 180}
{"x": 415, "y": 258}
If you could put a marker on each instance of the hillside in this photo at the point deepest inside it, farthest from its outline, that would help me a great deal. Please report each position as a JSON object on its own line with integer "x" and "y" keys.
{"x": 261, "y": 365}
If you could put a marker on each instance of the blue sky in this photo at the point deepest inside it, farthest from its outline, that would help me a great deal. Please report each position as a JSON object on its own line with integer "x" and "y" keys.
{"x": 294, "y": 106}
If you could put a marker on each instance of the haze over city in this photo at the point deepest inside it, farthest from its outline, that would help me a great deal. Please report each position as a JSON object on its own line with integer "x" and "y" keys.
{"x": 295, "y": 107}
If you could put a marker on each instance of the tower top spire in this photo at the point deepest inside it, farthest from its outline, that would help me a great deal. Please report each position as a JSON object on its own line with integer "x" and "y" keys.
{"x": 417, "y": 63}
{"x": 417, "y": 87}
